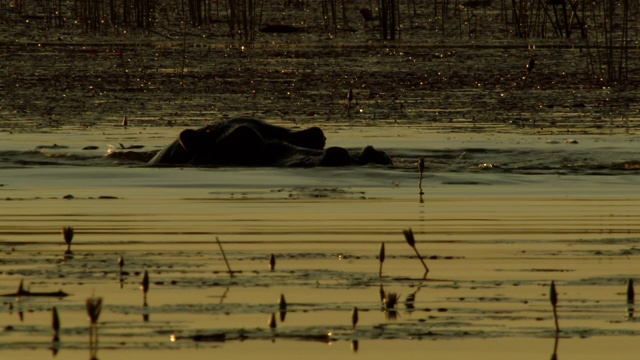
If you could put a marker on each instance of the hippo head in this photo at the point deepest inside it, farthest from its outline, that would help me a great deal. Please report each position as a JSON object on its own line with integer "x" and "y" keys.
{"x": 311, "y": 138}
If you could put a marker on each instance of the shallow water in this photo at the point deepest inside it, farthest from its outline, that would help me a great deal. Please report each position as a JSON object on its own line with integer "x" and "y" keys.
{"x": 528, "y": 182}
{"x": 493, "y": 239}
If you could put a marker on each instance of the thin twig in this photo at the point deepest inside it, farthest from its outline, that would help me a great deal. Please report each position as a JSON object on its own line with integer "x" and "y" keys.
{"x": 225, "y": 257}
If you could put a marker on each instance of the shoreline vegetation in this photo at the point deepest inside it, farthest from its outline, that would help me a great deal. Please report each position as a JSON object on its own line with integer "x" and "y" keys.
{"x": 455, "y": 65}
{"x": 604, "y": 30}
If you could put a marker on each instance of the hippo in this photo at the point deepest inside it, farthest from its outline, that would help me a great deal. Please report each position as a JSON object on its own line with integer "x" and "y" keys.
{"x": 253, "y": 142}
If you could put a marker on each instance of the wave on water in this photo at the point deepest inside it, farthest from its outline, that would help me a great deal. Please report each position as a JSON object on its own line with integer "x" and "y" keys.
{"x": 504, "y": 160}
{"x": 62, "y": 156}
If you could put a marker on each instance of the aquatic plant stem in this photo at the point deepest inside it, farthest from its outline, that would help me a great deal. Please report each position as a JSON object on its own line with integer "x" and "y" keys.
{"x": 55, "y": 324}
{"x": 381, "y": 259}
{"x": 421, "y": 172}
{"x": 426, "y": 268}
{"x": 224, "y": 257}
{"x": 553, "y": 297}
{"x": 408, "y": 236}
{"x": 272, "y": 262}
{"x": 354, "y": 318}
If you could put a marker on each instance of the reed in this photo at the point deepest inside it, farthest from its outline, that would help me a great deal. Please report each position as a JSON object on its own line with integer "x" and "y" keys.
{"x": 390, "y": 303}
{"x": 605, "y": 28}
{"x": 282, "y": 307}
{"x": 121, "y": 266}
{"x": 224, "y": 256}
{"x": 349, "y": 100}
{"x": 94, "y": 307}
{"x": 529, "y": 68}
{"x": 553, "y": 297}
{"x": 55, "y": 324}
{"x": 67, "y": 234}
{"x": 408, "y": 236}
{"x": 272, "y": 262}
{"x": 144, "y": 286}
{"x": 243, "y": 18}
{"x": 389, "y": 13}
{"x": 381, "y": 257}
{"x": 420, "y": 173}
{"x": 630, "y": 299}
{"x": 272, "y": 321}
{"x": 354, "y": 317}
{"x": 21, "y": 289}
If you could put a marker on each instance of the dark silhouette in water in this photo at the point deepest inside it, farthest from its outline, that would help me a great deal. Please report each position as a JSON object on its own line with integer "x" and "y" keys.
{"x": 252, "y": 142}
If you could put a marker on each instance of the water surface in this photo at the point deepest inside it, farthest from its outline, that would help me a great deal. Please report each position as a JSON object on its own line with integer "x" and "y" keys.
{"x": 493, "y": 238}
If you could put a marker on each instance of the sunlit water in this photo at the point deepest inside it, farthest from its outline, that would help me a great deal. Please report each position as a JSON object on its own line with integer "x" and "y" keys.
{"x": 551, "y": 208}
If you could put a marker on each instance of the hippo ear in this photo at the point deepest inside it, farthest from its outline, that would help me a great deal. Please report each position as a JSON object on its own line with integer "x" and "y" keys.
{"x": 193, "y": 141}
